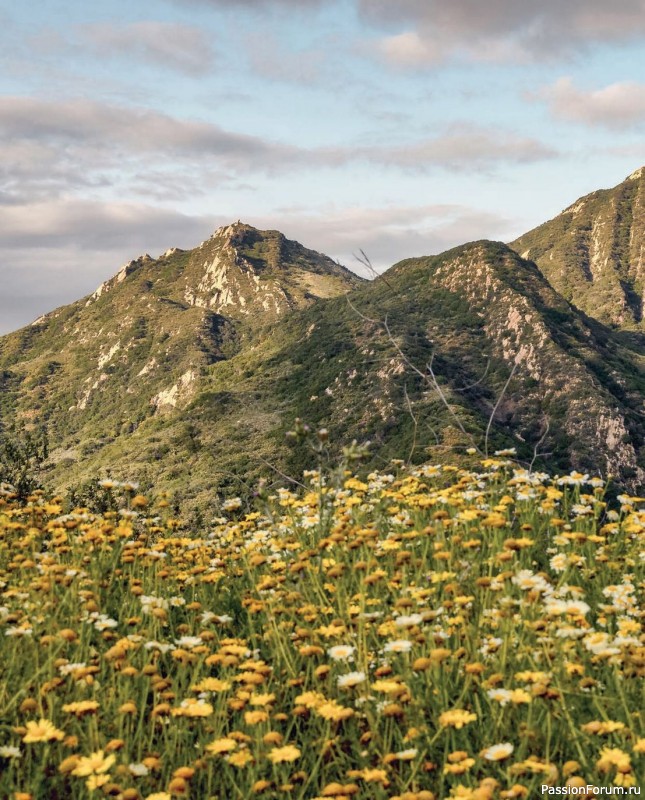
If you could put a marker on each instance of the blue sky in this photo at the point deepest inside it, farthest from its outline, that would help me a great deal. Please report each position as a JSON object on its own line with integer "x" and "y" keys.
{"x": 400, "y": 129}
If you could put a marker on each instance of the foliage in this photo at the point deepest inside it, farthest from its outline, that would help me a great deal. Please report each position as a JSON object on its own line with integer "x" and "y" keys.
{"x": 21, "y": 455}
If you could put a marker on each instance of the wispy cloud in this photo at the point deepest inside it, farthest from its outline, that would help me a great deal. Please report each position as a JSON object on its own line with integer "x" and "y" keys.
{"x": 617, "y": 106}
{"x": 53, "y": 147}
{"x": 431, "y": 31}
{"x": 50, "y": 148}
{"x": 462, "y": 147}
{"x": 134, "y": 129}
{"x": 174, "y": 46}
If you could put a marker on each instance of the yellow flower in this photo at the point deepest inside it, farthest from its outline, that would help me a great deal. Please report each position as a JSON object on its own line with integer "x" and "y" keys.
{"x": 603, "y": 728}
{"x": 613, "y": 757}
{"x": 193, "y": 708}
{"x": 334, "y": 711}
{"x": 255, "y": 717}
{"x": 211, "y": 685}
{"x": 310, "y": 699}
{"x": 96, "y": 781}
{"x": 520, "y": 696}
{"x": 456, "y": 718}
{"x": 224, "y": 745}
{"x": 389, "y": 687}
{"x": 68, "y": 764}
{"x": 287, "y": 753}
{"x": 42, "y": 731}
{"x": 310, "y": 650}
{"x": 94, "y": 764}
{"x": 375, "y": 776}
{"x": 81, "y": 707}
{"x": 240, "y": 759}
{"x": 262, "y": 699}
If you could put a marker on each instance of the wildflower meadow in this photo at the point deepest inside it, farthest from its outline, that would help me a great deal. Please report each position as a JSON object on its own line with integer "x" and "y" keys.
{"x": 429, "y": 632}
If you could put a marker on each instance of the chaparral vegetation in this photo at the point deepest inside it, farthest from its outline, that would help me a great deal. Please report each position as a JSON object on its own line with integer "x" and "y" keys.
{"x": 436, "y": 632}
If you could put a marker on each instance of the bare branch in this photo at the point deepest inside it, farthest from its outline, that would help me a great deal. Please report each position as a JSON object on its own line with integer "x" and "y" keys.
{"x": 476, "y": 383}
{"x": 360, "y": 314}
{"x": 499, "y": 400}
{"x": 538, "y": 443}
{"x": 414, "y": 420}
{"x": 365, "y": 261}
{"x": 282, "y": 474}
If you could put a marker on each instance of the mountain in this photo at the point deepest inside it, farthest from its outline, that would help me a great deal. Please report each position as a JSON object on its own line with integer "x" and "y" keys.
{"x": 480, "y": 316}
{"x": 91, "y": 372}
{"x": 162, "y": 318}
{"x": 188, "y": 370}
{"x": 593, "y": 253}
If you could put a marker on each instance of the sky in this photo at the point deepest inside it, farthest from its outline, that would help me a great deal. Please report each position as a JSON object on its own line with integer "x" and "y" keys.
{"x": 396, "y": 128}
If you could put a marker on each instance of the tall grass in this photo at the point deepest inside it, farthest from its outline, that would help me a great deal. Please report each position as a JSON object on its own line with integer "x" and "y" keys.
{"x": 432, "y": 632}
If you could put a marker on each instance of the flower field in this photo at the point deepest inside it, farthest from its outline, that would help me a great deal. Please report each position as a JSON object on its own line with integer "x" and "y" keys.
{"x": 434, "y": 633}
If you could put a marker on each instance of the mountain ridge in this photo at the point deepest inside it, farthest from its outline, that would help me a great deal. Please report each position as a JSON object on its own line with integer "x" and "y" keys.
{"x": 593, "y": 252}
{"x": 194, "y": 364}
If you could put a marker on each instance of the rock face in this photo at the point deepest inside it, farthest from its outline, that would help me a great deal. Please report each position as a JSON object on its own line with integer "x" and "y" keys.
{"x": 243, "y": 271}
{"x": 593, "y": 253}
{"x": 240, "y": 272}
{"x": 187, "y": 370}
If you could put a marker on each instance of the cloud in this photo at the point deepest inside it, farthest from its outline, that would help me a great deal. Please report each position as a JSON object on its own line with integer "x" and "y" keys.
{"x": 59, "y": 251}
{"x": 462, "y": 147}
{"x": 616, "y": 106}
{"x": 92, "y": 225}
{"x": 428, "y": 31}
{"x": 183, "y": 48}
{"x": 136, "y": 130}
{"x": 51, "y": 148}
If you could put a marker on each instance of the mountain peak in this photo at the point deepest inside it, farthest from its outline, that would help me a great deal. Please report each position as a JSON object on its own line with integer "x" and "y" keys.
{"x": 240, "y": 270}
{"x": 636, "y": 174}
{"x": 246, "y": 270}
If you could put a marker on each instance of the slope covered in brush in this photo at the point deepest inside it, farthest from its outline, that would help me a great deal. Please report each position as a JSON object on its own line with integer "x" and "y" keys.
{"x": 468, "y": 350}
{"x": 593, "y": 253}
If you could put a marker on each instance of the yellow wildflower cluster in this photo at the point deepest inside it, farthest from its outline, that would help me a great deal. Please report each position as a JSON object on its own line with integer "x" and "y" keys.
{"x": 432, "y": 633}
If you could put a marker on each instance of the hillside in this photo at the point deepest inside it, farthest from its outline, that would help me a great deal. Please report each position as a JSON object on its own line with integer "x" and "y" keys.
{"x": 593, "y": 253}
{"x": 90, "y": 373}
{"x": 162, "y": 377}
